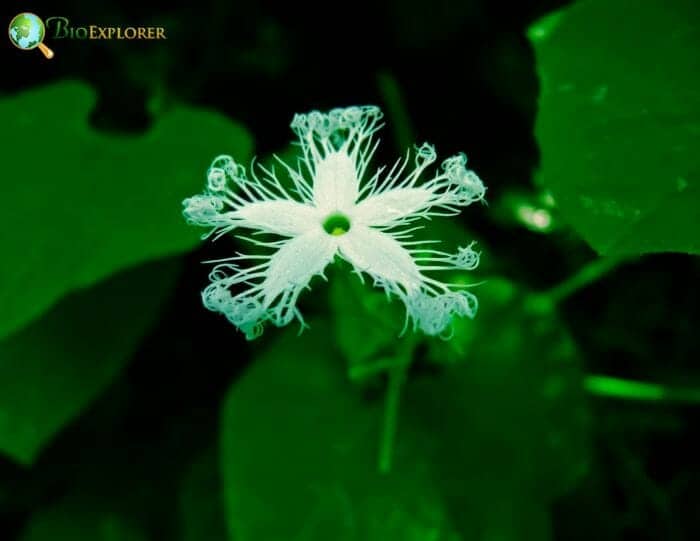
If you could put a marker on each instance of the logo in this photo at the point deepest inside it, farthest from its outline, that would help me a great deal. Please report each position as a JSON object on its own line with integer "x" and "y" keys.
{"x": 27, "y": 32}
{"x": 61, "y": 28}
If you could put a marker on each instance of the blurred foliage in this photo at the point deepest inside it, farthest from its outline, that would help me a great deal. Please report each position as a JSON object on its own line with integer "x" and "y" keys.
{"x": 52, "y": 369}
{"x": 482, "y": 449}
{"x": 86, "y": 201}
{"x": 201, "y": 499}
{"x": 80, "y": 518}
{"x": 534, "y": 211}
{"x": 366, "y": 322}
{"x": 128, "y": 412}
{"x": 619, "y": 122}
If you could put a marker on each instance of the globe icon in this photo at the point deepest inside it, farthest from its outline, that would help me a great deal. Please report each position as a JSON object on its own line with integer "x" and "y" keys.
{"x": 27, "y": 32}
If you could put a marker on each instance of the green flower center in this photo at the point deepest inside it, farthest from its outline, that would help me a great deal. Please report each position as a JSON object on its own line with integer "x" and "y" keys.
{"x": 336, "y": 224}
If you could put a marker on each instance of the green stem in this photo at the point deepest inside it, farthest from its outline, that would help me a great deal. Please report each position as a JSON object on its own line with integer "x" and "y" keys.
{"x": 610, "y": 387}
{"x": 360, "y": 372}
{"x": 397, "y": 374}
{"x": 588, "y": 274}
{"x": 396, "y": 109}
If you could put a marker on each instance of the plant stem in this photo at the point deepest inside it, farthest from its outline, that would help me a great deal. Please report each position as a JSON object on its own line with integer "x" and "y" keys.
{"x": 610, "y": 387}
{"x": 586, "y": 275}
{"x": 359, "y": 372}
{"x": 396, "y": 108}
{"x": 397, "y": 375}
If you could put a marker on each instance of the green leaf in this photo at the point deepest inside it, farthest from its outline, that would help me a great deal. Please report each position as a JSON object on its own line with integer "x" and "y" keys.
{"x": 483, "y": 446}
{"x": 201, "y": 500}
{"x": 619, "y": 122}
{"x": 73, "y": 519}
{"x": 299, "y": 455}
{"x": 366, "y": 323}
{"x": 79, "y": 205}
{"x": 516, "y": 415}
{"x": 53, "y": 368}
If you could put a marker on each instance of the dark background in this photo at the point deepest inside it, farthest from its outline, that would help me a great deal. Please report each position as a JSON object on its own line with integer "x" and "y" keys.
{"x": 466, "y": 76}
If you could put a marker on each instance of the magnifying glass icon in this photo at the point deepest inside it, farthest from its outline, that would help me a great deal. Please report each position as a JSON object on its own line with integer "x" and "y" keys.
{"x": 27, "y": 32}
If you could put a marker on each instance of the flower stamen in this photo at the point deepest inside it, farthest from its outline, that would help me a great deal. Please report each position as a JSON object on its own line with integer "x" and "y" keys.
{"x": 336, "y": 224}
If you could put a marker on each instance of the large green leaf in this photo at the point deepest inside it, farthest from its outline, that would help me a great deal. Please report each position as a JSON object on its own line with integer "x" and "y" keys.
{"x": 619, "y": 121}
{"x": 299, "y": 455}
{"x": 53, "y": 368}
{"x": 483, "y": 446}
{"x": 79, "y": 205}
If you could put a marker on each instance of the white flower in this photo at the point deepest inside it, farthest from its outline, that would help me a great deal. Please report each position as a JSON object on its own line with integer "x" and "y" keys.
{"x": 332, "y": 206}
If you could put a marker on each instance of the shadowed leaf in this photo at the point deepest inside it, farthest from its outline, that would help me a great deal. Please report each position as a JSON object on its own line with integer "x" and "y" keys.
{"x": 53, "y": 368}
{"x": 619, "y": 122}
{"x": 80, "y": 205}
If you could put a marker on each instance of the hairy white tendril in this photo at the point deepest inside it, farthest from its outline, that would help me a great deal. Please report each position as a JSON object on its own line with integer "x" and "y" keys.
{"x": 330, "y": 206}
{"x": 202, "y": 210}
{"x": 432, "y": 314}
{"x": 466, "y": 258}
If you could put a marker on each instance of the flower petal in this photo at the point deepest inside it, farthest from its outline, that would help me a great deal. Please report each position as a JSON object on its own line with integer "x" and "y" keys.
{"x": 336, "y": 185}
{"x": 399, "y": 198}
{"x": 379, "y": 255}
{"x": 293, "y": 266}
{"x": 288, "y": 218}
{"x": 392, "y": 205}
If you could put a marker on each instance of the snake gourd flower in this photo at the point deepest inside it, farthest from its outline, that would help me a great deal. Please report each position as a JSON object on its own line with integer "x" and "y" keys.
{"x": 334, "y": 206}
